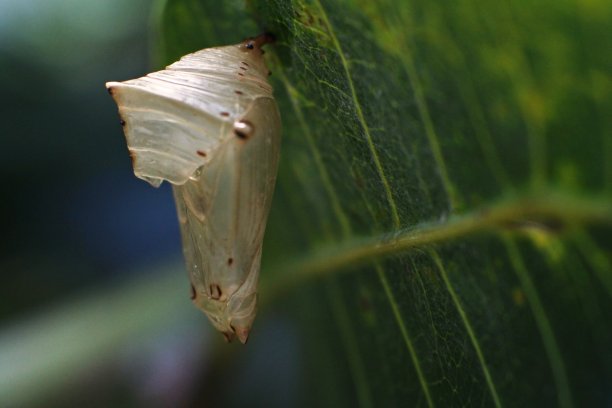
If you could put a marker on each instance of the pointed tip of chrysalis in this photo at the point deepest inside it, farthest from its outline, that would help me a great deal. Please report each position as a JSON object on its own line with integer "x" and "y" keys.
{"x": 243, "y": 335}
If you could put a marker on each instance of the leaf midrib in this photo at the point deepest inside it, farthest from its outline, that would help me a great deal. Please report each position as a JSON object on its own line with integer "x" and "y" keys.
{"x": 518, "y": 214}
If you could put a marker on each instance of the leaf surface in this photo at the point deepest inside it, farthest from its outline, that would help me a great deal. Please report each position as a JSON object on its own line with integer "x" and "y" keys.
{"x": 443, "y": 214}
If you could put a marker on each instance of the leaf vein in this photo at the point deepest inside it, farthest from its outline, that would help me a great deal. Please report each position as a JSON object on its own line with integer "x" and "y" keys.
{"x": 361, "y": 117}
{"x": 543, "y": 323}
{"x": 405, "y": 334}
{"x": 346, "y": 228}
{"x": 468, "y": 328}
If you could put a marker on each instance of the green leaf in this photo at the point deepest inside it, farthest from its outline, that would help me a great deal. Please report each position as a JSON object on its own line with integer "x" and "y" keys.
{"x": 441, "y": 232}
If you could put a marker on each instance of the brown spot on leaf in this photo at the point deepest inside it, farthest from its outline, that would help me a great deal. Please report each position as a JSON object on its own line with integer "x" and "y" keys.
{"x": 122, "y": 122}
{"x": 201, "y": 153}
{"x": 364, "y": 303}
{"x": 239, "y": 92}
{"x": 224, "y": 113}
{"x": 240, "y": 74}
{"x": 230, "y": 261}
{"x": 243, "y": 68}
{"x": 518, "y": 296}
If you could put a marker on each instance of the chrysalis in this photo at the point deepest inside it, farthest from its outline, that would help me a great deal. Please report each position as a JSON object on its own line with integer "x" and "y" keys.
{"x": 209, "y": 125}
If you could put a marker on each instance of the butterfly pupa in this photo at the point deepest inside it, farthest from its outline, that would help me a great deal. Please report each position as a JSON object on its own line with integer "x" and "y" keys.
{"x": 210, "y": 126}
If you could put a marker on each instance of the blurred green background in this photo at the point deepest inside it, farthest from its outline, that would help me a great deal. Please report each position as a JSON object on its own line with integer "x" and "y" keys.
{"x": 73, "y": 215}
{"x": 93, "y": 297}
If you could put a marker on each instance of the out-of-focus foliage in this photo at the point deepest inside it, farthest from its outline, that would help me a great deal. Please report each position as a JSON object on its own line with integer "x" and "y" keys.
{"x": 73, "y": 214}
{"x": 84, "y": 315}
{"x": 63, "y": 162}
{"x": 477, "y": 134}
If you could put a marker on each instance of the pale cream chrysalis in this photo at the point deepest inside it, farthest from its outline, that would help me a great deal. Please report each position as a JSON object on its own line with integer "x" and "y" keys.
{"x": 209, "y": 125}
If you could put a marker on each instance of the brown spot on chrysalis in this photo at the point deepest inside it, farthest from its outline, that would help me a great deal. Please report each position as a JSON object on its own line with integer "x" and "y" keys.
{"x": 201, "y": 153}
{"x": 110, "y": 90}
{"x": 192, "y": 293}
{"x": 243, "y": 68}
{"x": 215, "y": 291}
{"x": 244, "y": 63}
{"x": 122, "y": 122}
{"x": 132, "y": 157}
{"x": 224, "y": 113}
{"x": 244, "y": 129}
{"x": 240, "y": 74}
{"x": 230, "y": 261}
{"x": 239, "y": 92}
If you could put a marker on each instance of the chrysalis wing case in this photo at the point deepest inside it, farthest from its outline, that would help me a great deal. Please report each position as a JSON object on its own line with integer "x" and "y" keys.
{"x": 209, "y": 125}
